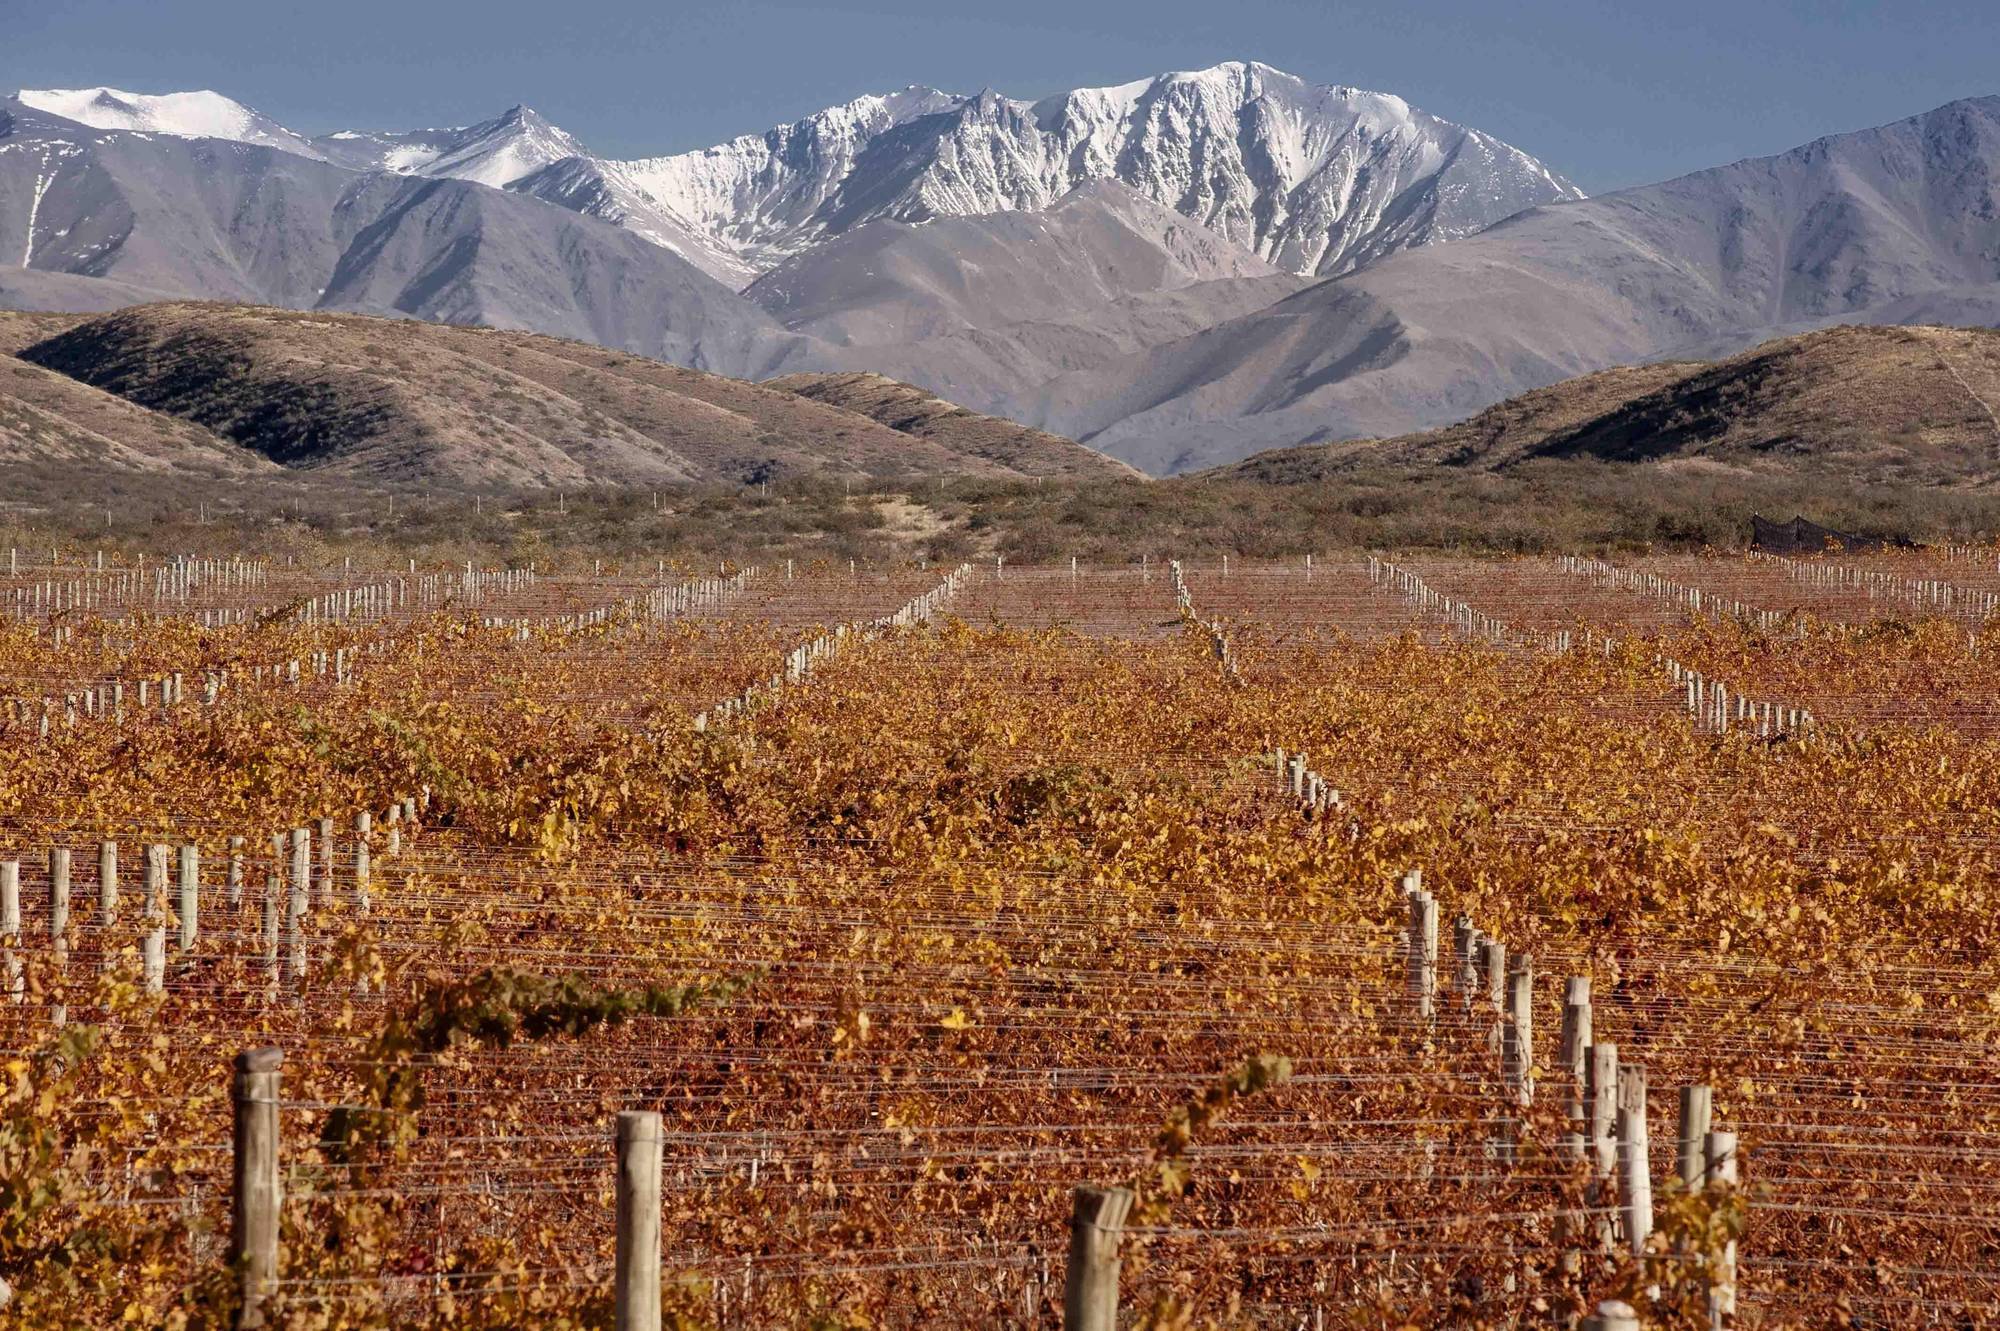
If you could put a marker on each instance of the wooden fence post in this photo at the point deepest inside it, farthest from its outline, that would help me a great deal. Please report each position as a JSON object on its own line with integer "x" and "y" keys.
{"x": 107, "y": 884}
{"x": 1090, "y": 1292}
{"x": 326, "y": 862}
{"x": 10, "y": 930}
{"x": 1690, "y": 1159}
{"x": 235, "y": 881}
{"x": 154, "y": 947}
{"x": 1635, "y": 1175}
{"x": 363, "y": 864}
{"x": 59, "y": 860}
{"x": 273, "y": 885}
{"x": 190, "y": 897}
{"x": 637, "y": 1283}
{"x": 259, "y": 1188}
{"x": 1576, "y": 1038}
{"x": 1719, "y": 1169}
{"x": 1423, "y": 939}
{"x": 1493, "y": 956}
{"x": 300, "y": 901}
{"x": 1518, "y": 1039}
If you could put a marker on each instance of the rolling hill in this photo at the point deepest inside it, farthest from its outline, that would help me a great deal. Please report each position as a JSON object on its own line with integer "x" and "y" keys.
{"x": 1895, "y": 406}
{"x": 912, "y": 411}
{"x": 400, "y": 400}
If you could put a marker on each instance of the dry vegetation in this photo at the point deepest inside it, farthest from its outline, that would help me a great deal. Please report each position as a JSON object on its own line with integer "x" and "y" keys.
{"x": 983, "y": 909}
{"x": 915, "y": 412}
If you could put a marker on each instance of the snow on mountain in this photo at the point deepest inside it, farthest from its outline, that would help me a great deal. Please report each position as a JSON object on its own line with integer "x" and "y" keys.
{"x": 493, "y": 152}
{"x": 606, "y": 191}
{"x": 188, "y": 115}
{"x": 764, "y": 195}
{"x": 1315, "y": 179}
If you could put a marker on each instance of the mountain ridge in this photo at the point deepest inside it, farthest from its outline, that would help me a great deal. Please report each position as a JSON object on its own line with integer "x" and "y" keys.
{"x": 1893, "y": 221}
{"x": 1314, "y": 178}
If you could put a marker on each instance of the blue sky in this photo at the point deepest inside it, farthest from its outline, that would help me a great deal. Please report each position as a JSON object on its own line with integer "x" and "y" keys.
{"x": 1610, "y": 93}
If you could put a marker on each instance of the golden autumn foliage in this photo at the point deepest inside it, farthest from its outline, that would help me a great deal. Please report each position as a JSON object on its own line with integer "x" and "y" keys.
{"x": 987, "y": 909}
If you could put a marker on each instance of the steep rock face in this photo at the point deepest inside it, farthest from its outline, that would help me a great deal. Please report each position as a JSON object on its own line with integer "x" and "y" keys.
{"x": 1314, "y": 179}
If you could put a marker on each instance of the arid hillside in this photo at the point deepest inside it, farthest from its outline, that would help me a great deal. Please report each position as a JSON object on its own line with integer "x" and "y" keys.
{"x": 1871, "y": 405}
{"x": 911, "y": 410}
{"x": 380, "y": 399}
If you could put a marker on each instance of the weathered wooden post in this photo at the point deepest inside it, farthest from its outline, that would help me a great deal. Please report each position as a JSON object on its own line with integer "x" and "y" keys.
{"x": 1090, "y": 1292}
{"x": 235, "y": 872}
{"x": 190, "y": 897}
{"x": 253, "y": 1235}
{"x": 326, "y": 862}
{"x": 10, "y": 930}
{"x": 107, "y": 884}
{"x": 1518, "y": 1039}
{"x": 1576, "y": 1036}
{"x": 273, "y": 885}
{"x": 1635, "y": 1175}
{"x": 153, "y": 947}
{"x": 637, "y": 1276}
{"x": 1719, "y": 1170}
{"x": 1493, "y": 957}
{"x": 59, "y": 862}
{"x": 299, "y": 902}
{"x": 1423, "y": 951}
{"x": 1690, "y": 1159}
{"x": 1599, "y": 1103}
{"x": 363, "y": 868}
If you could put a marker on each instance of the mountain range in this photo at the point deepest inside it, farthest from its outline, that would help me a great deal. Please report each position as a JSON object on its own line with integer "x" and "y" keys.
{"x": 1178, "y": 271}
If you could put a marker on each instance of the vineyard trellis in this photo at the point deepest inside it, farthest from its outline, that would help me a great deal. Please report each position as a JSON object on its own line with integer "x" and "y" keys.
{"x": 969, "y": 969}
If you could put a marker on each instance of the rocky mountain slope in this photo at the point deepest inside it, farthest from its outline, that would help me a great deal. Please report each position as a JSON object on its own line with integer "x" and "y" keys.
{"x": 1896, "y": 223}
{"x": 400, "y": 400}
{"x": 976, "y": 306}
{"x": 1899, "y": 406}
{"x": 169, "y": 217}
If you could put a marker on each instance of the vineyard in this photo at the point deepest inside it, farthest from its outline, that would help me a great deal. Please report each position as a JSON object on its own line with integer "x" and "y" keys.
{"x": 1358, "y": 942}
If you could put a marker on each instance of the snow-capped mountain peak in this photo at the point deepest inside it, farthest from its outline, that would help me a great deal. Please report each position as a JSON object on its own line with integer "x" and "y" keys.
{"x": 189, "y": 115}
{"x": 1314, "y": 178}
{"x": 494, "y": 152}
